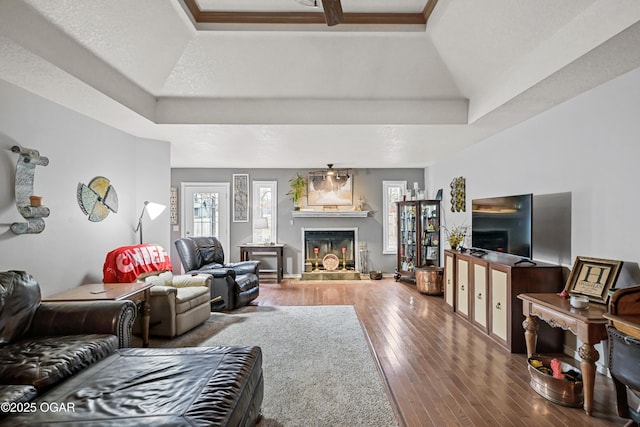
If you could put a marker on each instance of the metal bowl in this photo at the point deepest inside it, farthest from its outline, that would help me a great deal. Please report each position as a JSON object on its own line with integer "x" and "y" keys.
{"x": 375, "y": 275}
{"x": 560, "y": 391}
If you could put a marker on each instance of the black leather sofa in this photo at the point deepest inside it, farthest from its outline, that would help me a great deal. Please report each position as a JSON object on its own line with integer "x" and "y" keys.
{"x": 42, "y": 344}
{"x": 61, "y": 365}
{"x": 237, "y": 283}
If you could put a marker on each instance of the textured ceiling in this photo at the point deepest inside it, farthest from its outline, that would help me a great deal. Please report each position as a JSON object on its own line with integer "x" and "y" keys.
{"x": 285, "y": 97}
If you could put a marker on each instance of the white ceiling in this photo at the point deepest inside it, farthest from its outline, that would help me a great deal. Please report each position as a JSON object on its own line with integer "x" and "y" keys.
{"x": 285, "y": 96}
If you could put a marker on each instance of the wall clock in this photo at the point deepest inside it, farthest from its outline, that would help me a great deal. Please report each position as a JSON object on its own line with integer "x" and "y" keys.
{"x": 97, "y": 199}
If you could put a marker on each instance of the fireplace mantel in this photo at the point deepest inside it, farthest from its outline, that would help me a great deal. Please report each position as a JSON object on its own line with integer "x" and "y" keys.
{"x": 329, "y": 214}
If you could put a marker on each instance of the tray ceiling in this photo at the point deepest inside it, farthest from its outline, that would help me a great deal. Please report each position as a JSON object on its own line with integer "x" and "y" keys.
{"x": 247, "y": 95}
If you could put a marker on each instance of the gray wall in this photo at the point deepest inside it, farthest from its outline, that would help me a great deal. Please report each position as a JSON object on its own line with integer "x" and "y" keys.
{"x": 71, "y": 249}
{"x": 367, "y": 183}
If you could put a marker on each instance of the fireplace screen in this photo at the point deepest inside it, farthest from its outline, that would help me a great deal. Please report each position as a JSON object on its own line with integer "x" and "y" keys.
{"x": 330, "y": 242}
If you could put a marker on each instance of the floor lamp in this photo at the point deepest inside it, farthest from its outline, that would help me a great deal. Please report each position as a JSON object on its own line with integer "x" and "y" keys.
{"x": 154, "y": 210}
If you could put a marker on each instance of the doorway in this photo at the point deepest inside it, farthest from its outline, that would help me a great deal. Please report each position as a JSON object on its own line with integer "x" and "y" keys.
{"x": 205, "y": 210}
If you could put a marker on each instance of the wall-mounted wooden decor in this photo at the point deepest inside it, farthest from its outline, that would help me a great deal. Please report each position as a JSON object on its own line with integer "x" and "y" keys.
{"x": 29, "y": 205}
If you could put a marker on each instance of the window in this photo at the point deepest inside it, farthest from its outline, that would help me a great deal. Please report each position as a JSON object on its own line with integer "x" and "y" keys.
{"x": 392, "y": 192}
{"x": 265, "y": 212}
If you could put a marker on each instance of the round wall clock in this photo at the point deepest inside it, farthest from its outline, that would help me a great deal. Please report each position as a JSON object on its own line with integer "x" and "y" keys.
{"x": 97, "y": 198}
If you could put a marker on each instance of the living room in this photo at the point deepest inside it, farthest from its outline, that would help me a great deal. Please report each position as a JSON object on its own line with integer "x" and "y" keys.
{"x": 585, "y": 144}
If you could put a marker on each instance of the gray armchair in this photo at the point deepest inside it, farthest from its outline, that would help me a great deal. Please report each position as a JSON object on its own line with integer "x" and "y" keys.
{"x": 237, "y": 283}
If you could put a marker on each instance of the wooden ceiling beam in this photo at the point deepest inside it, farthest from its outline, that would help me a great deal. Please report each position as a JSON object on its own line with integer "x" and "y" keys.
{"x": 211, "y": 17}
{"x": 428, "y": 9}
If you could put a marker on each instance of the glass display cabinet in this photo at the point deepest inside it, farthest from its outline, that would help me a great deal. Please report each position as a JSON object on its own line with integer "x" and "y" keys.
{"x": 418, "y": 236}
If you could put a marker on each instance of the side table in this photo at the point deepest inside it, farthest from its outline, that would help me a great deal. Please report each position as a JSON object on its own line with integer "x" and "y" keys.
{"x": 139, "y": 293}
{"x": 589, "y": 325}
{"x": 250, "y": 250}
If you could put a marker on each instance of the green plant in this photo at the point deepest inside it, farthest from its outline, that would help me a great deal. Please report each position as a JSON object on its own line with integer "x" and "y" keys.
{"x": 297, "y": 185}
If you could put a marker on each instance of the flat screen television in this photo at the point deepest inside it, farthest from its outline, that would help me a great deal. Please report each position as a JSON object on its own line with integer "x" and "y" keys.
{"x": 503, "y": 224}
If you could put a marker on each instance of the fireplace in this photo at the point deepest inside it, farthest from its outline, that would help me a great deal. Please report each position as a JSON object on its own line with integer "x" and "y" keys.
{"x": 330, "y": 241}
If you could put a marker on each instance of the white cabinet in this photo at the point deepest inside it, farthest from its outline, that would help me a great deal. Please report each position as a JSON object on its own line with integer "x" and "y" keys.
{"x": 499, "y": 303}
{"x": 480, "y": 297}
{"x": 462, "y": 288}
{"x": 449, "y": 279}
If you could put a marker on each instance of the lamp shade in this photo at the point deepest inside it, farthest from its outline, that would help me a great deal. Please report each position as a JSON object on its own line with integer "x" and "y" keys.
{"x": 154, "y": 209}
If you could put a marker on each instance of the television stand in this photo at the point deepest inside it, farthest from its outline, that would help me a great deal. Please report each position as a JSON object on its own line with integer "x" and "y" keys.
{"x": 525, "y": 260}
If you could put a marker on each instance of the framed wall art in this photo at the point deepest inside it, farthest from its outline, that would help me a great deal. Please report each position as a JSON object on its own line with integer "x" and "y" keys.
{"x": 458, "y": 195}
{"x": 240, "y": 198}
{"x": 593, "y": 277}
{"x": 173, "y": 205}
{"x": 330, "y": 191}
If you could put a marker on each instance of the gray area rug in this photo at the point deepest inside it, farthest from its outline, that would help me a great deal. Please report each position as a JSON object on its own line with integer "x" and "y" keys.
{"x": 318, "y": 368}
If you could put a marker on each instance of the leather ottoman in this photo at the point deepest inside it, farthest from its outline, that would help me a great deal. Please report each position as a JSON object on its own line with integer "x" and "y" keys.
{"x": 202, "y": 386}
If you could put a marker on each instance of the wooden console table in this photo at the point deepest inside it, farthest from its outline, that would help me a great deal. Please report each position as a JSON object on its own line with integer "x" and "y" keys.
{"x": 139, "y": 293}
{"x": 250, "y": 250}
{"x": 589, "y": 325}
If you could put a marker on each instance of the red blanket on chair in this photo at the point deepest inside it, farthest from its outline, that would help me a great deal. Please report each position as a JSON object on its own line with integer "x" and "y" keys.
{"x": 126, "y": 263}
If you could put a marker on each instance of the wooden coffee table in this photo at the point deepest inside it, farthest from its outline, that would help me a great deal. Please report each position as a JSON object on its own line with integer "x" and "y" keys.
{"x": 139, "y": 293}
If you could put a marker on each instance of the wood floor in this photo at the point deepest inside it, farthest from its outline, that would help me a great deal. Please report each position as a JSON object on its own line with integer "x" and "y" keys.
{"x": 440, "y": 370}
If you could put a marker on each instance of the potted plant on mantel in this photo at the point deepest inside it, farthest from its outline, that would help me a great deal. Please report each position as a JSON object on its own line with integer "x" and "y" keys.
{"x": 297, "y": 185}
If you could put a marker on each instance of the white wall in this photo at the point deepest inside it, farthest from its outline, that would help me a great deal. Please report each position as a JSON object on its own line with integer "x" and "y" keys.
{"x": 71, "y": 249}
{"x": 589, "y": 146}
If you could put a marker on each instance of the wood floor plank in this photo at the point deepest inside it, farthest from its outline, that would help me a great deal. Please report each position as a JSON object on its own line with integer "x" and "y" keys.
{"x": 440, "y": 369}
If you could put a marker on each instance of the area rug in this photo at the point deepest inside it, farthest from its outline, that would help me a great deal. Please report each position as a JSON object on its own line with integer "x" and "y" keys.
{"x": 318, "y": 368}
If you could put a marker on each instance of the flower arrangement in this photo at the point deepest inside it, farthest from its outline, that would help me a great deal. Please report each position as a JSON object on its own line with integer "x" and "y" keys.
{"x": 456, "y": 235}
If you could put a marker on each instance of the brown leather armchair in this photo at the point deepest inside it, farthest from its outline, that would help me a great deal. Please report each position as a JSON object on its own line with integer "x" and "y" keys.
{"x": 237, "y": 283}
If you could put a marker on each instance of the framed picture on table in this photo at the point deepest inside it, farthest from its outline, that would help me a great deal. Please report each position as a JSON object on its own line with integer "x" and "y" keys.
{"x": 593, "y": 277}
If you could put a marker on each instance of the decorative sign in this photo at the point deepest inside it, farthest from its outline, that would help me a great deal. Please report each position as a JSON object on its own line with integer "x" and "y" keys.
{"x": 592, "y": 277}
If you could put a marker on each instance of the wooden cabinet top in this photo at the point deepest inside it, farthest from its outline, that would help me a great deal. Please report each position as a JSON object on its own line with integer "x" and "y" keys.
{"x": 502, "y": 259}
